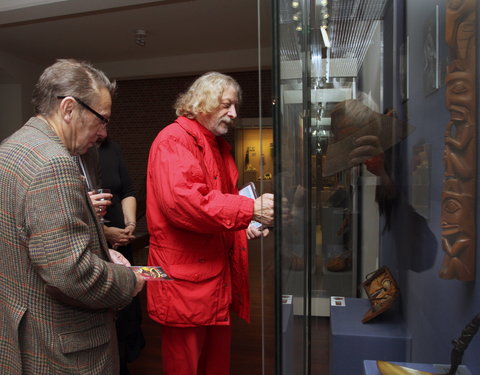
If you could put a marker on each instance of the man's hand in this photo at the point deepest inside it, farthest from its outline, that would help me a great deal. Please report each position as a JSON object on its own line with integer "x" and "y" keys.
{"x": 263, "y": 209}
{"x": 118, "y": 258}
{"x": 138, "y": 285}
{"x": 100, "y": 202}
{"x": 368, "y": 146}
{"x": 253, "y": 232}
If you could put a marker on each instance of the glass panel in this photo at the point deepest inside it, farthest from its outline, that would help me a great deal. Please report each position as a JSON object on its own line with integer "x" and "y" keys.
{"x": 328, "y": 71}
{"x": 293, "y": 170}
{"x": 254, "y": 158}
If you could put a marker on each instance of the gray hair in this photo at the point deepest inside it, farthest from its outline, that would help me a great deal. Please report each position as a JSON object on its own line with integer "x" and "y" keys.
{"x": 205, "y": 94}
{"x": 68, "y": 77}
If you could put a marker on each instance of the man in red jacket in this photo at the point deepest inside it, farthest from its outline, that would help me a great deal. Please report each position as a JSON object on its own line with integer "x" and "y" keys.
{"x": 197, "y": 221}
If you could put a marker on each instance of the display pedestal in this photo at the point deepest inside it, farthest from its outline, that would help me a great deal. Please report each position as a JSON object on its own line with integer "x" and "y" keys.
{"x": 370, "y": 368}
{"x": 352, "y": 341}
{"x": 287, "y": 331}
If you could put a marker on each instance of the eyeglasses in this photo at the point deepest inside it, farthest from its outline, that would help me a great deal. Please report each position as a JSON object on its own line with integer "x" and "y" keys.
{"x": 103, "y": 119}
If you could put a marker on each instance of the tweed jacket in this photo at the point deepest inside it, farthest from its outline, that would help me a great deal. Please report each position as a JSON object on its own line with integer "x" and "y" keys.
{"x": 58, "y": 288}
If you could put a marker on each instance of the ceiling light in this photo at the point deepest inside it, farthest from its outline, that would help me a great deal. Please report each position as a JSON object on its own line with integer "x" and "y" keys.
{"x": 295, "y": 4}
{"x": 140, "y": 36}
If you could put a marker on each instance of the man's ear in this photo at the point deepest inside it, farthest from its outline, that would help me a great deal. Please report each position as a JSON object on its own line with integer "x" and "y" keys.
{"x": 67, "y": 105}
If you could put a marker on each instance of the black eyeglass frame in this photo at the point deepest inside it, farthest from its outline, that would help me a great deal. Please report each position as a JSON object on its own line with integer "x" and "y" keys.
{"x": 103, "y": 119}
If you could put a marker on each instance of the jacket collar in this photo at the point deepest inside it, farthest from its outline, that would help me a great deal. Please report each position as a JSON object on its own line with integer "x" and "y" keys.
{"x": 46, "y": 129}
{"x": 197, "y": 131}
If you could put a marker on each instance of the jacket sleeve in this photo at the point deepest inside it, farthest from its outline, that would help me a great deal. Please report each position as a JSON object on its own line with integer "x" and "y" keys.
{"x": 185, "y": 194}
{"x": 61, "y": 241}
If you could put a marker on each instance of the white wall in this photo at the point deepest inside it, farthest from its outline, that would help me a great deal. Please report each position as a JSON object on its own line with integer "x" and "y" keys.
{"x": 371, "y": 73}
{"x": 369, "y": 226}
{"x": 11, "y": 117}
{"x": 226, "y": 61}
{"x": 17, "y": 79}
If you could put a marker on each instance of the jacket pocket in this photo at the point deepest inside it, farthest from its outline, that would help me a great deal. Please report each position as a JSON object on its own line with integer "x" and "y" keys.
{"x": 76, "y": 341}
{"x": 200, "y": 271}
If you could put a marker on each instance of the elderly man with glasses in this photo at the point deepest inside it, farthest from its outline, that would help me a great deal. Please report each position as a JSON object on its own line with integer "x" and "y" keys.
{"x": 59, "y": 282}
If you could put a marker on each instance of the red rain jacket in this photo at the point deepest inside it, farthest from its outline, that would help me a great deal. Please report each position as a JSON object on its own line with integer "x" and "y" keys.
{"x": 196, "y": 231}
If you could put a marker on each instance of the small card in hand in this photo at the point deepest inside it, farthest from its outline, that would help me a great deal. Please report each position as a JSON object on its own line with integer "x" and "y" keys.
{"x": 151, "y": 273}
{"x": 249, "y": 191}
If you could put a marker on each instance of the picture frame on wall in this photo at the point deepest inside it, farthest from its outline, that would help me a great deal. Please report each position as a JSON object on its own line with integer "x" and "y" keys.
{"x": 431, "y": 78}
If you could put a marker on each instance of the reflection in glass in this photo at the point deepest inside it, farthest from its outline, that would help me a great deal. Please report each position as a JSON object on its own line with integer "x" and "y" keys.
{"x": 322, "y": 47}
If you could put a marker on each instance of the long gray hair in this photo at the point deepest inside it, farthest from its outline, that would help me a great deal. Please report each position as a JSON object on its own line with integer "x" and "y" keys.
{"x": 205, "y": 94}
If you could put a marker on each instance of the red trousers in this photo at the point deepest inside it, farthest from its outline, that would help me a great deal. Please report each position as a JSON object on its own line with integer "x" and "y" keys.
{"x": 196, "y": 350}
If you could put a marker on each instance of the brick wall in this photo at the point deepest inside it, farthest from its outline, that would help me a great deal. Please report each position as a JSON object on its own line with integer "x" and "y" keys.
{"x": 141, "y": 108}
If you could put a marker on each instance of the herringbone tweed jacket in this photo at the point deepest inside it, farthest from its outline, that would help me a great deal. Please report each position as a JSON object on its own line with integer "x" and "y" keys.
{"x": 58, "y": 289}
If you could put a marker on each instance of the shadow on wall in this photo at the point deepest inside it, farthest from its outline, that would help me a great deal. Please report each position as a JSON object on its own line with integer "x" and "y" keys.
{"x": 417, "y": 243}
{"x": 414, "y": 245}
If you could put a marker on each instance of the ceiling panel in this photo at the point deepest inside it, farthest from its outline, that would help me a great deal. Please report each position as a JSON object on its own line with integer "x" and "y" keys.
{"x": 174, "y": 28}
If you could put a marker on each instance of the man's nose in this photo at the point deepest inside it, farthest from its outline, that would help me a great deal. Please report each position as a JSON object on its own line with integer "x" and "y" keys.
{"x": 232, "y": 112}
{"x": 102, "y": 132}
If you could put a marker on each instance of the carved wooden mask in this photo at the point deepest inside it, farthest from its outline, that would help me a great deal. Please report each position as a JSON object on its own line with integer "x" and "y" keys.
{"x": 459, "y": 188}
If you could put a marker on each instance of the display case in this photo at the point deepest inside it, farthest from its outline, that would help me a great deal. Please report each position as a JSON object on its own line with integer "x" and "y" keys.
{"x": 331, "y": 215}
{"x": 327, "y": 55}
{"x": 322, "y": 207}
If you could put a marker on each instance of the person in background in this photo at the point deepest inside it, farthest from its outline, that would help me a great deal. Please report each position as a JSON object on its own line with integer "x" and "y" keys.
{"x": 121, "y": 219}
{"x": 119, "y": 228}
{"x": 197, "y": 221}
{"x": 103, "y": 166}
{"x": 59, "y": 282}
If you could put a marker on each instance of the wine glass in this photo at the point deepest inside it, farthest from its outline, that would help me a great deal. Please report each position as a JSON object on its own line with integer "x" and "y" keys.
{"x": 102, "y": 208}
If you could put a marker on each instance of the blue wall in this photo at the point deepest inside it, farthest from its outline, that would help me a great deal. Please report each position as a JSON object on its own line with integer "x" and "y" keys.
{"x": 434, "y": 309}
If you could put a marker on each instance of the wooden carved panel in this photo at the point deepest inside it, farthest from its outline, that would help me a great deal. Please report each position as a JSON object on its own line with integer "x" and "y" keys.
{"x": 458, "y": 196}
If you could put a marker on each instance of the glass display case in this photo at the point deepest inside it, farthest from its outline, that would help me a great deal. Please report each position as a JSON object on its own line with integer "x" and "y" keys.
{"x": 327, "y": 56}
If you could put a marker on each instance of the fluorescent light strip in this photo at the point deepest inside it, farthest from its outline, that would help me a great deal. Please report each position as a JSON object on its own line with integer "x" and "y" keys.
{"x": 326, "y": 40}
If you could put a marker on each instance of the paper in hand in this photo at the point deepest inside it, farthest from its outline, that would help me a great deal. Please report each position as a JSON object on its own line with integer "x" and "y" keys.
{"x": 151, "y": 273}
{"x": 249, "y": 191}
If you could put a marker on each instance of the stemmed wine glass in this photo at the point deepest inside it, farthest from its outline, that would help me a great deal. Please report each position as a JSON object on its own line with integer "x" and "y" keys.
{"x": 102, "y": 208}
{"x": 92, "y": 190}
